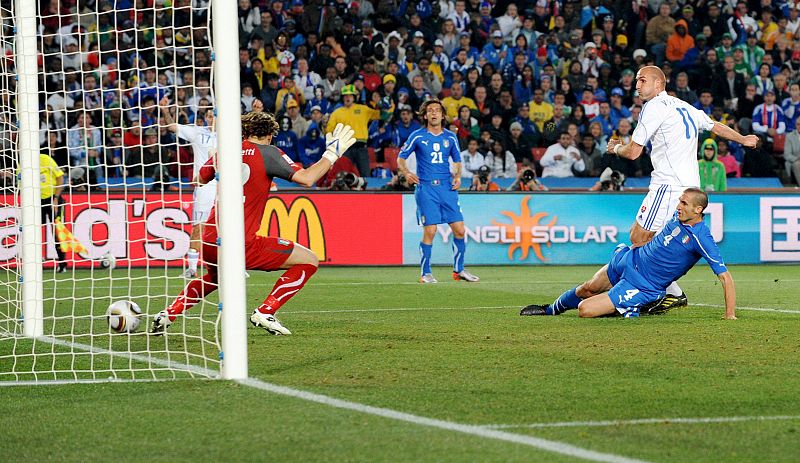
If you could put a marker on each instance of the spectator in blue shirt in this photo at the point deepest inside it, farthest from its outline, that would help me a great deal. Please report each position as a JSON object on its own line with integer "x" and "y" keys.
{"x": 405, "y": 126}
{"x": 287, "y": 140}
{"x": 618, "y": 110}
{"x": 607, "y": 122}
{"x": 496, "y": 51}
{"x": 311, "y": 146}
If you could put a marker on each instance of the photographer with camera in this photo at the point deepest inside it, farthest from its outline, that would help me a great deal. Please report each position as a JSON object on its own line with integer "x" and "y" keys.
{"x": 348, "y": 181}
{"x": 482, "y": 180}
{"x": 527, "y": 181}
{"x": 610, "y": 180}
{"x": 399, "y": 182}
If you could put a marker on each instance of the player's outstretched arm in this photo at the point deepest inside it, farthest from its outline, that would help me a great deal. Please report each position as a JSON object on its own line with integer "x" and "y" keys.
{"x": 730, "y": 295}
{"x": 630, "y": 151}
{"x": 336, "y": 143}
{"x": 750, "y": 141}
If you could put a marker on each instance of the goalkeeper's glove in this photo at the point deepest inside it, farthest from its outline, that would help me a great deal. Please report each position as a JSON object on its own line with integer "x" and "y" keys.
{"x": 338, "y": 141}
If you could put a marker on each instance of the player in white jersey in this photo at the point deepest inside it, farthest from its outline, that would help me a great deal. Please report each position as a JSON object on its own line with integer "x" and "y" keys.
{"x": 671, "y": 126}
{"x": 203, "y": 139}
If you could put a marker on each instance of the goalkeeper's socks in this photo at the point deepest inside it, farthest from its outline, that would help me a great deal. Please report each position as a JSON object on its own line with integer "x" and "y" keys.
{"x": 192, "y": 257}
{"x": 194, "y": 291}
{"x": 287, "y": 285}
{"x": 568, "y": 300}
{"x": 425, "y": 261}
{"x": 459, "y": 249}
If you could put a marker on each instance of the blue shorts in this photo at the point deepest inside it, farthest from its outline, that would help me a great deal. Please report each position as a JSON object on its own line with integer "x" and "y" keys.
{"x": 437, "y": 203}
{"x": 630, "y": 291}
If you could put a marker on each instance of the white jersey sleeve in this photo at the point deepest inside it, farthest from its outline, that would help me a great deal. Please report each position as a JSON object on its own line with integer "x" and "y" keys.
{"x": 650, "y": 120}
{"x": 188, "y": 132}
{"x": 703, "y": 120}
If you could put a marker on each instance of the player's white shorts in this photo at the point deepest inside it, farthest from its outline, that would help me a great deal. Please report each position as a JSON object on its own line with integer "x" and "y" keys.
{"x": 203, "y": 202}
{"x": 659, "y": 206}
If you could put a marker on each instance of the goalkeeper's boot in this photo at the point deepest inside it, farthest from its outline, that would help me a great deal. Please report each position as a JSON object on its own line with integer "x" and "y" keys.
{"x": 465, "y": 276}
{"x": 535, "y": 309}
{"x": 160, "y": 323}
{"x": 268, "y": 322}
{"x": 427, "y": 278}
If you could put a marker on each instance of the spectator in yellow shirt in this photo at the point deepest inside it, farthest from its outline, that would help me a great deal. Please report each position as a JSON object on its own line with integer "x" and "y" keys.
{"x": 289, "y": 91}
{"x": 357, "y": 116}
{"x": 541, "y": 111}
{"x": 456, "y": 100}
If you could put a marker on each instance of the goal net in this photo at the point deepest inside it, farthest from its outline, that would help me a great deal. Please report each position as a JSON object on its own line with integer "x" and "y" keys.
{"x": 121, "y": 228}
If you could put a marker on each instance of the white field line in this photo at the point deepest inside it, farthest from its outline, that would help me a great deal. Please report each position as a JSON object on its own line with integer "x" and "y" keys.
{"x": 707, "y": 420}
{"x": 757, "y": 309}
{"x": 66, "y": 382}
{"x": 432, "y": 309}
{"x": 401, "y": 309}
{"x": 542, "y": 444}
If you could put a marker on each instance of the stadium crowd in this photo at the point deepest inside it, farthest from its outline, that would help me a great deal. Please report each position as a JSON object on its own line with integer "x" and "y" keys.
{"x": 538, "y": 85}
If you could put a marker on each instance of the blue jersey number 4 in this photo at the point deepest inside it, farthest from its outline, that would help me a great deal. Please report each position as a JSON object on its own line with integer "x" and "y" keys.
{"x": 687, "y": 119}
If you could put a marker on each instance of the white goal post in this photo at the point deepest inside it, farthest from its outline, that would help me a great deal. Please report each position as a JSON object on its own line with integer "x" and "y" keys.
{"x": 53, "y": 324}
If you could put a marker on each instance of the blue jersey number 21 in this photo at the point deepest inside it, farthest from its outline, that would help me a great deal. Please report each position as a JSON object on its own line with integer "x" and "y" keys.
{"x": 687, "y": 119}
{"x": 436, "y": 157}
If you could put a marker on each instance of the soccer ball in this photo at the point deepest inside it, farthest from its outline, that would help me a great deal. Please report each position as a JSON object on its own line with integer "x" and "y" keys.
{"x": 123, "y": 316}
{"x": 108, "y": 261}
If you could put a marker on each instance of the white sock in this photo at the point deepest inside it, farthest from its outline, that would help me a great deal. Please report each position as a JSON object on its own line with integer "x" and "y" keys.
{"x": 673, "y": 289}
{"x": 193, "y": 256}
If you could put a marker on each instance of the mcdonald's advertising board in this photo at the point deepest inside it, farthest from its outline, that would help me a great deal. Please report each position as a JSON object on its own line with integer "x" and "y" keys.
{"x": 153, "y": 229}
{"x": 381, "y": 228}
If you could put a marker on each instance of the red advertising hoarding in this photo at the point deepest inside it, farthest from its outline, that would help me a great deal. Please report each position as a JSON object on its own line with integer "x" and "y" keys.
{"x": 153, "y": 229}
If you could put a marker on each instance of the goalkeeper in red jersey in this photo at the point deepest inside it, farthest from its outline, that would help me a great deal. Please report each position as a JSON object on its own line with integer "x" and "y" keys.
{"x": 261, "y": 163}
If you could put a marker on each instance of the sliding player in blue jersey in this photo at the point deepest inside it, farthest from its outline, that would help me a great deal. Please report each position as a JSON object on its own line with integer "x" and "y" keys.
{"x": 636, "y": 277}
{"x": 437, "y": 188}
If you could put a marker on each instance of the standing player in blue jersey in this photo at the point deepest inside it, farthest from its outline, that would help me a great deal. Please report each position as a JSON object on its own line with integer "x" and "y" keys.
{"x": 639, "y": 276}
{"x": 437, "y": 188}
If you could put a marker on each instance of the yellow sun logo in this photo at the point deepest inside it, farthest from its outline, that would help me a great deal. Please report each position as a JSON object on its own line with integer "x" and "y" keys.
{"x": 525, "y": 223}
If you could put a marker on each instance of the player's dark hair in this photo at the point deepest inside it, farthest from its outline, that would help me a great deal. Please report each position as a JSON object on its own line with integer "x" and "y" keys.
{"x": 699, "y": 197}
{"x": 259, "y": 124}
{"x": 423, "y": 110}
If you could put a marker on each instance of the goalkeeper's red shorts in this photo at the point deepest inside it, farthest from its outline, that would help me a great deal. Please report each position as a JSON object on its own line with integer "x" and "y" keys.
{"x": 261, "y": 253}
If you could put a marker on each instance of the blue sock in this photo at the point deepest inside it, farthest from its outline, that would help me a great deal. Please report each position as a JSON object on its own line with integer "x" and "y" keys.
{"x": 568, "y": 300}
{"x": 425, "y": 262}
{"x": 459, "y": 249}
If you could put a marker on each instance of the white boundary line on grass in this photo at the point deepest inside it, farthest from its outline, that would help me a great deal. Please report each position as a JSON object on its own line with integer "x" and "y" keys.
{"x": 756, "y": 309}
{"x": 576, "y": 424}
{"x": 67, "y": 382}
{"x": 401, "y": 309}
{"x": 544, "y": 444}
{"x": 411, "y": 309}
{"x": 536, "y": 442}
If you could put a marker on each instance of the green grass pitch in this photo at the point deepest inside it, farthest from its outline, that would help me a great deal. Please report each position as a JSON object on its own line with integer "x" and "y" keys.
{"x": 454, "y": 351}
